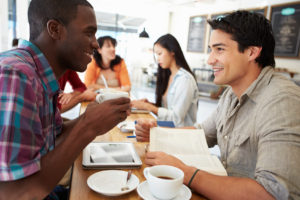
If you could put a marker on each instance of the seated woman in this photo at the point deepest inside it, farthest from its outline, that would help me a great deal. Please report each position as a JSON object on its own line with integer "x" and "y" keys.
{"x": 176, "y": 88}
{"x": 105, "y": 62}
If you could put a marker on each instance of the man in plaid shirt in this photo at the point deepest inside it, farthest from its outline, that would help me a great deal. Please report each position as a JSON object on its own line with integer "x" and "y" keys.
{"x": 32, "y": 157}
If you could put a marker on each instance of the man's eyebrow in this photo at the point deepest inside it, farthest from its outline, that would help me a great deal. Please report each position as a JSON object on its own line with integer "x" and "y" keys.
{"x": 91, "y": 28}
{"x": 217, "y": 45}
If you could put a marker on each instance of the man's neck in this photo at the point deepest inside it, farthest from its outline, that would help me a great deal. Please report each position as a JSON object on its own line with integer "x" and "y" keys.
{"x": 241, "y": 86}
{"x": 51, "y": 57}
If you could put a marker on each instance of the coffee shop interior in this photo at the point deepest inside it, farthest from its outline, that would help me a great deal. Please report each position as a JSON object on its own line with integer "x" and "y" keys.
{"x": 136, "y": 24}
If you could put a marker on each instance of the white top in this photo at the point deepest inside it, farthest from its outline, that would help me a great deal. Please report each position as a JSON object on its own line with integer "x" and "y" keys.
{"x": 182, "y": 100}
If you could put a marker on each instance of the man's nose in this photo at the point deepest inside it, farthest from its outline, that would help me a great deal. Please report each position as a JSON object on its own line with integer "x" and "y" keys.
{"x": 211, "y": 59}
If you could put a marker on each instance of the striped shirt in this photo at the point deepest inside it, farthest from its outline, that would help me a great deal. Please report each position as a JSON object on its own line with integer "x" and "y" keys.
{"x": 29, "y": 118}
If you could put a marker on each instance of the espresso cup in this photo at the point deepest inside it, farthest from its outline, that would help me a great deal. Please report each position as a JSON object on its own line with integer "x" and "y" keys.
{"x": 110, "y": 95}
{"x": 164, "y": 181}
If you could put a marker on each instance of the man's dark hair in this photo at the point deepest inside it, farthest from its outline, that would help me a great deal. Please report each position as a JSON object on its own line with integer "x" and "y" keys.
{"x": 249, "y": 29}
{"x": 98, "y": 56}
{"x": 15, "y": 42}
{"x": 41, "y": 11}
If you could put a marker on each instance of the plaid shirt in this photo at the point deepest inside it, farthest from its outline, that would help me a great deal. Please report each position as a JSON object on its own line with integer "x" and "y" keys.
{"x": 29, "y": 118}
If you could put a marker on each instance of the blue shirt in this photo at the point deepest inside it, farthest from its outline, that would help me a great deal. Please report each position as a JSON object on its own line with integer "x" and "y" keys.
{"x": 182, "y": 100}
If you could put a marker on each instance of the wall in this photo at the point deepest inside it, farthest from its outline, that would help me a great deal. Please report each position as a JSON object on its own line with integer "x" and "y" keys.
{"x": 180, "y": 22}
{"x": 4, "y": 25}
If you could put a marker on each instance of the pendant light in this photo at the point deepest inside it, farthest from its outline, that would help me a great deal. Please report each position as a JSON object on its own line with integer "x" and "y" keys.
{"x": 144, "y": 34}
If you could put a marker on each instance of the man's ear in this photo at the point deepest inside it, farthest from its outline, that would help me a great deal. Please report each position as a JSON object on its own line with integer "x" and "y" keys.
{"x": 254, "y": 52}
{"x": 54, "y": 29}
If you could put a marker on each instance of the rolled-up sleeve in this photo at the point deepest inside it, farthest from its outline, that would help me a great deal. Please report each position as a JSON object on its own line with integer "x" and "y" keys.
{"x": 278, "y": 159}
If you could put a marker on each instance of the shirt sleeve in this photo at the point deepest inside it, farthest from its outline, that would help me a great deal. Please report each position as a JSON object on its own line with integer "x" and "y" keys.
{"x": 20, "y": 127}
{"x": 75, "y": 82}
{"x": 124, "y": 76}
{"x": 277, "y": 167}
{"x": 210, "y": 130}
{"x": 184, "y": 95}
{"x": 91, "y": 74}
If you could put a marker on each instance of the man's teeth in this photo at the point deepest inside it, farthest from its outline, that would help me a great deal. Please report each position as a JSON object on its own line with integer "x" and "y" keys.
{"x": 217, "y": 70}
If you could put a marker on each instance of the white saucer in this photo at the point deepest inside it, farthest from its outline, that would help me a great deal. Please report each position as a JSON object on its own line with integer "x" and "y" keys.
{"x": 110, "y": 182}
{"x": 144, "y": 192}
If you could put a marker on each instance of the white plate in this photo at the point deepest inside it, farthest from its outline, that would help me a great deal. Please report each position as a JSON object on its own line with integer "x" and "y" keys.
{"x": 144, "y": 192}
{"x": 110, "y": 182}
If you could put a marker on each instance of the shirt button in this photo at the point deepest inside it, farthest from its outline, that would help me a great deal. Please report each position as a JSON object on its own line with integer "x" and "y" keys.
{"x": 225, "y": 137}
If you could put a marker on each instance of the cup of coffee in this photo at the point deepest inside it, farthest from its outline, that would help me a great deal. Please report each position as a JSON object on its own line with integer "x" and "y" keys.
{"x": 105, "y": 95}
{"x": 164, "y": 181}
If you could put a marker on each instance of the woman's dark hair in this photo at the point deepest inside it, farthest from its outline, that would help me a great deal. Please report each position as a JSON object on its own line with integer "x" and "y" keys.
{"x": 98, "y": 57}
{"x": 41, "y": 11}
{"x": 170, "y": 43}
{"x": 249, "y": 29}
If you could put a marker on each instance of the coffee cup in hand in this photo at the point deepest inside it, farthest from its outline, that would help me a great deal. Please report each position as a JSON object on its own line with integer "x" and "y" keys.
{"x": 164, "y": 181}
{"x": 107, "y": 95}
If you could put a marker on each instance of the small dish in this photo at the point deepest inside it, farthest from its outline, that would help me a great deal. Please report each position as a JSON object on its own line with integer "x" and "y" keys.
{"x": 110, "y": 182}
{"x": 126, "y": 126}
{"x": 144, "y": 192}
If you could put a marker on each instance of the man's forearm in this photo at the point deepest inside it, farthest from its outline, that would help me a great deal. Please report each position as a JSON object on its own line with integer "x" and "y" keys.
{"x": 73, "y": 102}
{"x": 225, "y": 187}
{"x": 53, "y": 166}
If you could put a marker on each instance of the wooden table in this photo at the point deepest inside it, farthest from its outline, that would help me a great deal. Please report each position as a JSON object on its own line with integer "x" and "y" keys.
{"x": 79, "y": 188}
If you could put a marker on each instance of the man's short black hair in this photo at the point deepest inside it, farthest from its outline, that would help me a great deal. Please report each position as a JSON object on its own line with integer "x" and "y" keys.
{"x": 249, "y": 29}
{"x": 41, "y": 11}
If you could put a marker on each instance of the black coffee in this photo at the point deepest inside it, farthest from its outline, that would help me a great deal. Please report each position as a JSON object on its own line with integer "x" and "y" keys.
{"x": 165, "y": 177}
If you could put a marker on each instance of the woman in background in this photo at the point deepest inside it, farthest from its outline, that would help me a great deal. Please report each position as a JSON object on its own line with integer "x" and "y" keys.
{"x": 106, "y": 63}
{"x": 176, "y": 88}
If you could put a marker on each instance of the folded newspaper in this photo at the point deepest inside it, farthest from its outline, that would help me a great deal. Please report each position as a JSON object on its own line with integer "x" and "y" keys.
{"x": 188, "y": 145}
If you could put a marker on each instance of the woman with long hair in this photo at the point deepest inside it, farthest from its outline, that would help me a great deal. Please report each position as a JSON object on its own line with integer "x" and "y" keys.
{"x": 176, "y": 87}
{"x": 107, "y": 67}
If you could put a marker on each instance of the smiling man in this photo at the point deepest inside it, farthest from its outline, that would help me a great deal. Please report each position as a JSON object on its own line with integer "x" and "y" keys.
{"x": 256, "y": 123}
{"x": 36, "y": 147}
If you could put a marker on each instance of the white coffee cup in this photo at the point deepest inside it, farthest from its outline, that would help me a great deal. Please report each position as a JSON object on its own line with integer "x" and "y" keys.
{"x": 164, "y": 181}
{"x": 107, "y": 95}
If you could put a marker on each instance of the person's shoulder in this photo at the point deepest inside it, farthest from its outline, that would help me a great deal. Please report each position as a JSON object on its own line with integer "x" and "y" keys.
{"x": 17, "y": 61}
{"x": 184, "y": 75}
{"x": 281, "y": 85}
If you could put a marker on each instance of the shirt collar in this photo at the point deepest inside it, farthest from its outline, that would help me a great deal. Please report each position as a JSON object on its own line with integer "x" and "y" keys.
{"x": 43, "y": 67}
{"x": 262, "y": 80}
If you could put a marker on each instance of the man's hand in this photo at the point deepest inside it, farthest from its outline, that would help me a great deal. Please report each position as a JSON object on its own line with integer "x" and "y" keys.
{"x": 142, "y": 129}
{"x": 89, "y": 95}
{"x": 161, "y": 158}
{"x": 100, "y": 118}
{"x": 141, "y": 104}
{"x": 65, "y": 98}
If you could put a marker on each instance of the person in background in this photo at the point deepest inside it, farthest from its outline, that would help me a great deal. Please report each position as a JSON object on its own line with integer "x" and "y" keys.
{"x": 36, "y": 146}
{"x": 256, "y": 123}
{"x": 105, "y": 62}
{"x": 15, "y": 42}
{"x": 176, "y": 87}
{"x": 66, "y": 101}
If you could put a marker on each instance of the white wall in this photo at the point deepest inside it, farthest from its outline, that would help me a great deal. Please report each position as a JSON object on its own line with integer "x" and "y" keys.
{"x": 180, "y": 25}
{"x": 22, "y": 20}
{"x": 4, "y": 25}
